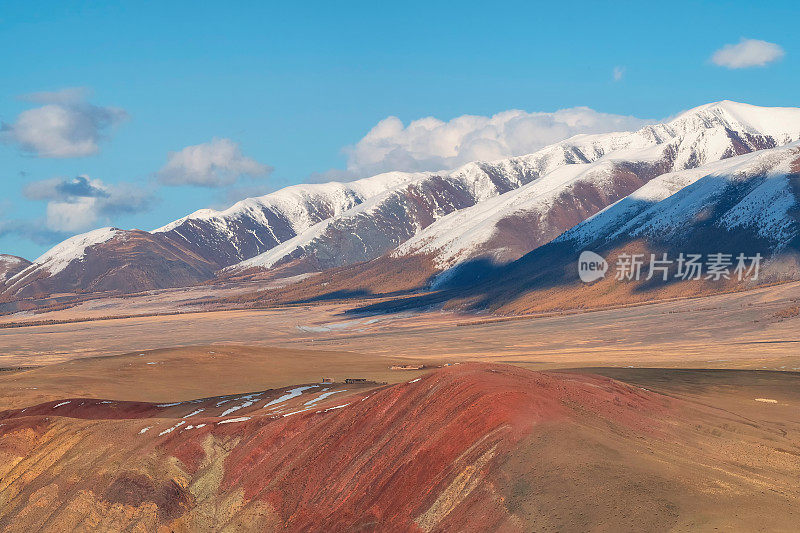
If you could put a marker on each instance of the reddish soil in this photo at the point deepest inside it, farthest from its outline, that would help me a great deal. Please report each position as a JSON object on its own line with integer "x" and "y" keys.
{"x": 386, "y": 459}
{"x": 471, "y": 447}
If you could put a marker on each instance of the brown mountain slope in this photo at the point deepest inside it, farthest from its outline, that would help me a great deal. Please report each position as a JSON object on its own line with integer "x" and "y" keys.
{"x": 131, "y": 261}
{"x": 472, "y": 447}
{"x": 10, "y": 265}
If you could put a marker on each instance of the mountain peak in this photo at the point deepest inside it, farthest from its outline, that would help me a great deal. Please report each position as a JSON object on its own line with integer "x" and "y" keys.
{"x": 738, "y": 116}
{"x": 60, "y": 255}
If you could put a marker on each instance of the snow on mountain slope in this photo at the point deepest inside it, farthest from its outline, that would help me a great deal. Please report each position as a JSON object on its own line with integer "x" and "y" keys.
{"x": 465, "y": 233}
{"x": 297, "y": 201}
{"x": 61, "y": 255}
{"x": 753, "y": 191}
{"x": 110, "y": 259}
{"x": 381, "y": 223}
{"x": 749, "y": 204}
{"x": 507, "y": 227}
{"x": 375, "y": 227}
{"x": 10, "y": 265}
{"x": 254, "y": 225}
{"x": 779, "y": 123}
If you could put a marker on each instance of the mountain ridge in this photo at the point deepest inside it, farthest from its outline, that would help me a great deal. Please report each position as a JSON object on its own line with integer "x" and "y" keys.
{"x": 497, "y": 210}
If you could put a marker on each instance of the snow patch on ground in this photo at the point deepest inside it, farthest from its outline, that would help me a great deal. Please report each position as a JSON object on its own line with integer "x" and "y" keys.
{"x": 231, "y": 420}
{"x": 293, "y": 393}
{"x": 323, "y": 396}
{"x": 335, "y": 407}
{"x": 250, "y": 399}
{"x": 168, "y": 404}
{"x": 173, "y": 428}
{"x": 295, "y": 412}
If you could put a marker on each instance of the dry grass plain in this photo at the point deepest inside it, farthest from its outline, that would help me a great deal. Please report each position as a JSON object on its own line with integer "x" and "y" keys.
{"x": 740, "y": 330}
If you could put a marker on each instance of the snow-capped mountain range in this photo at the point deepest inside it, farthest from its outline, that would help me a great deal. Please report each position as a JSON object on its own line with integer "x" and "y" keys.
{"x": 508, "y": 226}
{"x": 748, "y": 205}
{"x": 499, "y": 210}
{"x": 542, "y": 194}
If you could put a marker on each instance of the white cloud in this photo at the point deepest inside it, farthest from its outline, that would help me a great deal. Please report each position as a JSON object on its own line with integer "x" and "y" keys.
{"x": 65, "y": 126}
{"x": 78, "y": 203}
{"x": 75, "y": 215}
{"x": 747, "y": 53}
{"x": 432, "y": 144}
{"x": 212, "y": 164}
{"x": 618, "y": 73}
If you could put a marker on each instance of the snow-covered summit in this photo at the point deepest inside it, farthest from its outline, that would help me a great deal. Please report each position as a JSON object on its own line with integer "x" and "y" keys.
{"x": 297, "y": 202}
{"x": 777, "y": 122}
{"x": 10, "y": 260}
{"x": 59, "y": 256}
{"x": 62, "y": 254}
{"x": 11, "y": 265}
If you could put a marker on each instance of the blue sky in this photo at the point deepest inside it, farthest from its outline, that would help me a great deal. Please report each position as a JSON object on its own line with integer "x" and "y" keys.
{"x": 289, "y": 87}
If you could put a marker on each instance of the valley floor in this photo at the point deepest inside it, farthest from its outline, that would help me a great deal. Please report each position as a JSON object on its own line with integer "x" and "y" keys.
{"x": 754, "y": 329}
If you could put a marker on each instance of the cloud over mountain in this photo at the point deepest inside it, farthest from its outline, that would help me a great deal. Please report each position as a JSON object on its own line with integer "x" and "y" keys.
{"x": 75, "y": 204}
{"x": 217, "y": 163}
{"x": 433, "y": 144}
{"x": 65, "y": 125}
